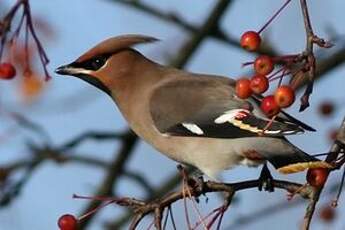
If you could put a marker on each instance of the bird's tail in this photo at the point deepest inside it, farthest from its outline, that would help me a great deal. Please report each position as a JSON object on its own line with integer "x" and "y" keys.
{"x": 297, "y": 162}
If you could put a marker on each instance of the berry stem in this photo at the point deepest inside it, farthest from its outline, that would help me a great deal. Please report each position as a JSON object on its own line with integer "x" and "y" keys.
{"x": 275, "y": 73}
{"x": 247, "y": 63}
{"x": 198, "y": 223}
{"x": 268, "y": 125}
{"x": 26, "y": 48}
{"x": 214, "y": 218}
{"x": 95, "y": 209}
{"x": 286, "y": 58}
{"x": 17, "y": 31}
{"x": 335, "y": 201}
{"x": 274, "y": 16}
{"x": 42, "y": 54}
{"x": 321, "y": 154}
{"x": 99, "y": 198}
{"x": 281, "y": 77}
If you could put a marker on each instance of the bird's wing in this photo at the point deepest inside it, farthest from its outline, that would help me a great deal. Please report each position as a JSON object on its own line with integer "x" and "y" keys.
{"x": 207, "y": 107}
{"x": 284, "y": 116}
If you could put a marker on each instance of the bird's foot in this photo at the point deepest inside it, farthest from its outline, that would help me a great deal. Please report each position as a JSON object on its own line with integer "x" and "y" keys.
{"x": 340, "y": 144}
{"x": 266, "y": 180}
{"x": 291, "y": 195}
{"x": 194, "y": 182}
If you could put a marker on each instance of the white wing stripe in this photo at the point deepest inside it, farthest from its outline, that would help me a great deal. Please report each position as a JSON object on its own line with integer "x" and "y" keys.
{"x": 229, "y": 116}
{"x": 193, "y": 128}
{"x": 272, "y": 131}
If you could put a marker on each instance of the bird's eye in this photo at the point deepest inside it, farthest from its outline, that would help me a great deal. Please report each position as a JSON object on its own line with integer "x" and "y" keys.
{"x": 95, "y": 63}
{"x": 98, "y": 63}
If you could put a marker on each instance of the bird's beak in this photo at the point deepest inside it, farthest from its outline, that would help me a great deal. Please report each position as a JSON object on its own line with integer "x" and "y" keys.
{"x": 86, "y": 75}
{"x": 68, "y": 70}
{"x": 62, "y": 70}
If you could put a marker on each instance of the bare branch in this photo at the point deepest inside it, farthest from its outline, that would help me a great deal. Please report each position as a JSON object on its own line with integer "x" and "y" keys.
{"x": 170, "y": 17}
{"x": 211, "y": 22}
{"x": 92, "y": 135}
{"x": 116, "y": 168}
{"x": 157, "y": 206}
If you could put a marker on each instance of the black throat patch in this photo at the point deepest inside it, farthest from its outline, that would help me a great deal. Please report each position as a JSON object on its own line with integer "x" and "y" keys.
{"x": 95, "y": 82}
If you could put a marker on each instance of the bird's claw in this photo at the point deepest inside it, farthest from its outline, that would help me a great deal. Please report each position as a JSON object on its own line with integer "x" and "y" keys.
{"x": 266, "y": 180}
{"x": 196, "y": 182}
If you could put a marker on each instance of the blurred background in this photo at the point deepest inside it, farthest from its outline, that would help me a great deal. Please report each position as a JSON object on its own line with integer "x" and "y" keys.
{"x": 40, "y": 169}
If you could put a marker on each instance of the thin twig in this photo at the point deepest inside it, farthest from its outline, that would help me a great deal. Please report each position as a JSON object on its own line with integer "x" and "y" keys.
{"x": 94, "y": 135}
{"x": 116, "y": 168}
{"x": 170, "y": 17}
{"x": 330, "y": 158}
{"x": 207, "y": 187}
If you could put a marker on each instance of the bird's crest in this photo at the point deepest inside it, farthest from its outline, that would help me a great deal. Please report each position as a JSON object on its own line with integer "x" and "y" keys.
{"x": 113, "y": 44}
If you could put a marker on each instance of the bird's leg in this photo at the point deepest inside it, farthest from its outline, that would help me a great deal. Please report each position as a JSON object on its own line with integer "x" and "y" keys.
{"x": 194, "y": 181}
{"x": 291, "y": 195}
{"x": 266, "y": 180}
{"x": 189, "y": 185}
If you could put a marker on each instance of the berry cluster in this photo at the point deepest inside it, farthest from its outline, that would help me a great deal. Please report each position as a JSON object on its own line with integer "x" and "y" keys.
{"x": 284, "y": 95}
{"x": 299, "y": 66}
{"x": 11, "y": 36}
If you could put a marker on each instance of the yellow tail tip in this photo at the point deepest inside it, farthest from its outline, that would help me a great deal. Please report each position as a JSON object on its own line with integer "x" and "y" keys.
{"x": 299, "y": 167}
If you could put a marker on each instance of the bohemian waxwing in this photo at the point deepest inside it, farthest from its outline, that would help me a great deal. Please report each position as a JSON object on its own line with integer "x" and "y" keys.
{"x": 195, "y": 119}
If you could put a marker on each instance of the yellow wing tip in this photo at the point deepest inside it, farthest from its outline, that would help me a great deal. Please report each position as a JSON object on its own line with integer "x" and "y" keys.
{"x": 299, "y": 167}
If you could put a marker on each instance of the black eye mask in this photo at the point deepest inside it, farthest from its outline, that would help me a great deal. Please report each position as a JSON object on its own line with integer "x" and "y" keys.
{"x": 93, "y": 63}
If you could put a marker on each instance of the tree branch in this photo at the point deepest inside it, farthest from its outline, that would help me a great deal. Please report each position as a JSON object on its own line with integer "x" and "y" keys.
{"x": 92, "y": 135}
{"x": 170, "y": 17}
{"x": 116, "y": 168}
{"x": 157, "y": 206}
{"x": 211, "y": 22}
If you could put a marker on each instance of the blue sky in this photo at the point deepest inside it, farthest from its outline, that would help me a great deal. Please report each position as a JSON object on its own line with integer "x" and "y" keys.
{"x": 80, "y": 24}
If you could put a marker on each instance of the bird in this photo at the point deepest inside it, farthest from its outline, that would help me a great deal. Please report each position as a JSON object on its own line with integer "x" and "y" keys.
{"x": 194, "y": 119}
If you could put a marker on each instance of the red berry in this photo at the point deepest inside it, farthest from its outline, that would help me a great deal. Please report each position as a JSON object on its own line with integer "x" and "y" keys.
{"x": 317, "y": 176}
{"x": 243, "y": 89}
{"x": 250, "y": 40}
{"x": 68, "y": 222}
{"x": 284, "y": 96}
{"x": 326, "y": 108}
{"x": 327, "y": 213}
{"x": 269, "y": 106}
{"x": 259, "y": 84}
{"x": 7, "y": 71}
{"x": 263, "y": 65}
